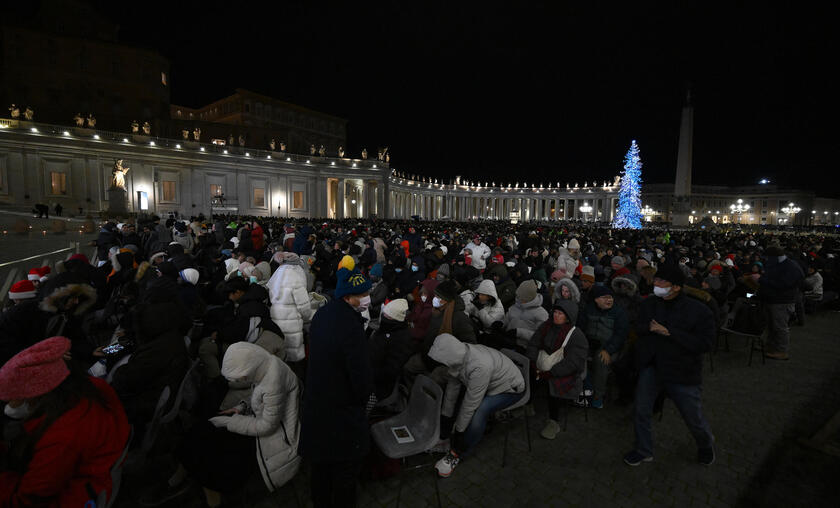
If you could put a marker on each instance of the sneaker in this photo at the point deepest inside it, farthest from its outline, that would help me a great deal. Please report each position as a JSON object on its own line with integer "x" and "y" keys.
{"x": 164, "y": 494}
{"x": 706, "y": 456}
{"x": 635, "y": 458}
{"x": 582, "y": 401}
{"x": 551, "y": 429}
{"x": 597, "y": 403}
{"x": 447, "y": 464}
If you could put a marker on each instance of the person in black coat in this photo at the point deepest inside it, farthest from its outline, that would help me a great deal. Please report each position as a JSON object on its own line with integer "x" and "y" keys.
{"x": 778, "y": 290}
{"x": 339, "y": 380}
{"x": 390, "y": 348}
{"x": 160, "y": 357}
{"x": 674, "y": 331}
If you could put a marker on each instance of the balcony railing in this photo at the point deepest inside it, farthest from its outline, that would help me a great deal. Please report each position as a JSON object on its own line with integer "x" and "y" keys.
{"x": 181, "y": 146}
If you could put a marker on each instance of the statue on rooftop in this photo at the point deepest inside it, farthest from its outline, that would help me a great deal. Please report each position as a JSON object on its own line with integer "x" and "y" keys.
{"x": 322, "y": 151}
{"x": 282, "y": 146}
{"x": 197, "y": 133}
{"x": 241, "y": 140}
{"x": 272, "y": 144}
{"x": 29, "y": 113}
{"x": 147, "y": 128}
{"x": 135, "y": 127}
{"x": 341, "y": 152}
{"x": 230, "y": 140}
{"x": 79, "y": 119}
{"x": 617, "y": 181}
{"x": 311, "y": 149}
{"x": 91, "y": 121}
{"x": 14, "y": 111}
{"x": 364, "y": 153}
{"x": 185, "y": 134}
{"x": 387, "y": 157}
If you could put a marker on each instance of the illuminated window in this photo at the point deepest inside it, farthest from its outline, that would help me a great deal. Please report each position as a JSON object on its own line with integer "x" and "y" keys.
{"x": 297, "y": 200}
{"x": 259, "y": 197}
{"x": 215, "y": 190}
{"x": 168, "y": 190}
{"x": 58, "y": 183}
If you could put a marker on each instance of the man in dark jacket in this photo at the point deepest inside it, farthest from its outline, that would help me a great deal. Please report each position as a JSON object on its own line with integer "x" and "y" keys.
{"x": 339, "y": 380}
{"x": 778, "y": 288}
{"x": 606, "y": 327}
{"x": 505, "y": 286}
{"x": 674, "y": 331}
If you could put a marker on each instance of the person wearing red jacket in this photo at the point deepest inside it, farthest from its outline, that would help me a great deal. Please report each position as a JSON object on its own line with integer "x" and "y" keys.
{"x": 257, "y": 237}
{"x": 74, "y": 430}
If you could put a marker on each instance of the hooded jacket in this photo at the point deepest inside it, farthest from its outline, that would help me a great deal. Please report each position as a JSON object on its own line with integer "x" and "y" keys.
{"x": 274, "y": 404}
{"x": 483, "y": 371}
{"x": 421, "y": 313}
{"x": 290, "y": 306}
{"x": 462, "y": 329}
{"x": 548, "y": 338}
{"x": 506, "y": 287}
{"x": 626, "y": 295}
{"x": 573, "y": 290}
{"x": 525, "y": 318}
{"x": 390, "y": 348}
{"x": 492, "y": 311}
{"x": 480, "y": 253}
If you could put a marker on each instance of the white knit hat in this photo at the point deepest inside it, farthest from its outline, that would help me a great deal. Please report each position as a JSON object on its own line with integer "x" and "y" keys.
{"x": 396, "y": 309}
{"x": 190, "y": 275}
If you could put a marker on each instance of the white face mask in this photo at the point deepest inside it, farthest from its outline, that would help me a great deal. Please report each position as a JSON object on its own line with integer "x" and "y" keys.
{"x": 661, "y": 292}
{"x": 436, "y": 302}
{"x": 364, "y": 303}
{"x": 17, "y": 413}
{"x": 424, "y": 298}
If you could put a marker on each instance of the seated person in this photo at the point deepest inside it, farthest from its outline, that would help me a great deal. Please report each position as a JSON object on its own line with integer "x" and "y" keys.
{"x": 559, "y": 350}
{"x": 485, "y": 307}
{"x": 74, "y": 430}
{"x": 491, "y": 381}
{"x": 527, "y": 314}
{"x": 390, "y": 347}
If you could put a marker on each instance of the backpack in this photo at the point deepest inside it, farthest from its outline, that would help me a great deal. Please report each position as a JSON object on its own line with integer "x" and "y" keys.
{"x": 749, "y": 318}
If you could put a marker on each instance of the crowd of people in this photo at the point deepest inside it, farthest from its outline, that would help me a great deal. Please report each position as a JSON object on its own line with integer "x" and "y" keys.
{"x": 352, "y": 310}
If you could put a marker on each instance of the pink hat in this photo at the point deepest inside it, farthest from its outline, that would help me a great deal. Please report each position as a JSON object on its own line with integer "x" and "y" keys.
{"x": 35, "y": 371}
{"x": 22, "y": 289}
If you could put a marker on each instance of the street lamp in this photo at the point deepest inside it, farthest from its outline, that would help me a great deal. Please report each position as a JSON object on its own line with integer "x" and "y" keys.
{"x": 791, "y": 210}
{"x": 585, "y": 208}
{"x": 739, "y": 207}
{"x": 648, "y": 213}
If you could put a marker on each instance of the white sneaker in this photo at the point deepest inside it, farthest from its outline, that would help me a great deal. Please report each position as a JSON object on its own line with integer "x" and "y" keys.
{"x": 447, "y": 464}
{"x": 551, "y": 429}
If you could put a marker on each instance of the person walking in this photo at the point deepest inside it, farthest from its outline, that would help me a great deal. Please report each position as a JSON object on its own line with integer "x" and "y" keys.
{"x": 674, "y": 331}
{"x": 778, "y": 289}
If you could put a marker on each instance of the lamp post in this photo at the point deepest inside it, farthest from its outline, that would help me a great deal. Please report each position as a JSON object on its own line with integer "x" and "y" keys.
{"x": 648, "y": 213}
{"x": 791, "y": 210}
{"x": 585, "y": 208}
{"x": 739, "y": 207}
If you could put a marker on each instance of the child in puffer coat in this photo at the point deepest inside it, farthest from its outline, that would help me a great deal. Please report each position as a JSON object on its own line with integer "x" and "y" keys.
{"x": 290, "y": 302}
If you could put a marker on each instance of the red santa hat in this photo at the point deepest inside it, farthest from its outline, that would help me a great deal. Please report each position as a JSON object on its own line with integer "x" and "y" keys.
{"x": 22, "y": 289}
{"x": 34, "y": 274}
{"x": 45, "y": 272}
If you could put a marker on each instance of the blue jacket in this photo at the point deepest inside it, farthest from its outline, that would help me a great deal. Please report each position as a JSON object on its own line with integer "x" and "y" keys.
{"x": 605, "y": 329}
{"x": 339, "y": 381}
{"x": 301, "y": 247}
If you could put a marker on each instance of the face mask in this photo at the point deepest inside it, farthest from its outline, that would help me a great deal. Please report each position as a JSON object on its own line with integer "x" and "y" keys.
{"x": 424, "y": 298}
{"x": 364, "y": 303}
{"x": 17, "y": 413}
{"x": 414, "y": 268}
{"x": 398, "y": 270}
{"x": 661, "y": 292}
{"x": 436, "y": 302}
{"x": 440, "y": 277}
{"x": 253, "y": 279}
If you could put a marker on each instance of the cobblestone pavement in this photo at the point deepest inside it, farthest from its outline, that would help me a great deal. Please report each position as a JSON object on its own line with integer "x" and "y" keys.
{"x": 757, "y": 413}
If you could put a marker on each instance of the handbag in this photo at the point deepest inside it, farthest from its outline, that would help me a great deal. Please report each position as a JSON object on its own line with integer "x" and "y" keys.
{"x": 546, "y": 361}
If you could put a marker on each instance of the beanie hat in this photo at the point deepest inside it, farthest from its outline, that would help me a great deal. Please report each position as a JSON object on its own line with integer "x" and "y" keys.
{"x": 672, "y": 274}
{"x": 588, "y": 273}
{"x": 36, "y": 370}
{"x": 443, "y": 269}
{"x": 617, "y": 260}
{"x": 527, "y": 291}
{"x": 447, "y": 290}
{"x": 701, "y": 265}
{"x": 190, "y": 275}
{"x": 558, "y": 274}
{"x": 716, "y": 268}
{"x": 713, "y": 282}
{"x": 350, "y": 281}
{"x": 599, "y": 291}
{"x": 376, "y": 270}
{"x": 573, "y": 244}
{"x": 22, "y": 289}
{"x": 396, "y": 309}
{"x": 156, "y": 255}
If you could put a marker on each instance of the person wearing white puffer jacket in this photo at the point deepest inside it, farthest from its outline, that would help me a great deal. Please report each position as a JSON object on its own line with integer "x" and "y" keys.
{"x": 527, "y": 314}
{"x": 486, "y": 306}
{"x": 290, "y": 302}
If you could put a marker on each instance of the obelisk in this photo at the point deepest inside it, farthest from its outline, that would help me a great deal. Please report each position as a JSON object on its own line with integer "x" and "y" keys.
{"x": 682, "y": 183}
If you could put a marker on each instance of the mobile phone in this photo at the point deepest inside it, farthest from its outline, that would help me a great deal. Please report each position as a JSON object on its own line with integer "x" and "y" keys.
{"x": 750, "y": 295}
{"x": 115, "y": 348}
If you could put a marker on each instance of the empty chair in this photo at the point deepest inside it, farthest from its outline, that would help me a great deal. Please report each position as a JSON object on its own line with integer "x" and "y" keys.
{"x": 524, "y": 366}
{"x": 418, "y": 427}
{"x": 745, "y": 319}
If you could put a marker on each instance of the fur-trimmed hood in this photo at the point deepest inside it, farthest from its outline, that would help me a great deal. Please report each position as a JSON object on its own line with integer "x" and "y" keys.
{"x": 64, "y": 287}
{"x": 573, "y": 289}
{"x": 625, "y": 286}
{"x": 698, "y": 294}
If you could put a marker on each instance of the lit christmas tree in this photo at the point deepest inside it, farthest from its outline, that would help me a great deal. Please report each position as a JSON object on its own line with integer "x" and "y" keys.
{"x": 629, "y": 214}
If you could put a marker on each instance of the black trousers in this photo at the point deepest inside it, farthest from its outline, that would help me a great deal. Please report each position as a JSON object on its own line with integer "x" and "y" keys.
{"x": 333, "y": 484}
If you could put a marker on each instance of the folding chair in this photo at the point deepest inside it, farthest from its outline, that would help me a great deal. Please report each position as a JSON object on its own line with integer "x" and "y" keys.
{"x": 524, "y": 366}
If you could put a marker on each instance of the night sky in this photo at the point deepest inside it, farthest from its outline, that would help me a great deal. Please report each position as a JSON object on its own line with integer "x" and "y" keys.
{"x": 524, "y": 91}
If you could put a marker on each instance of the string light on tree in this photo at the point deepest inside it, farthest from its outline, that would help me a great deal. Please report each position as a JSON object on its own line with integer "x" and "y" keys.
{"x": 629, "y": 214}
